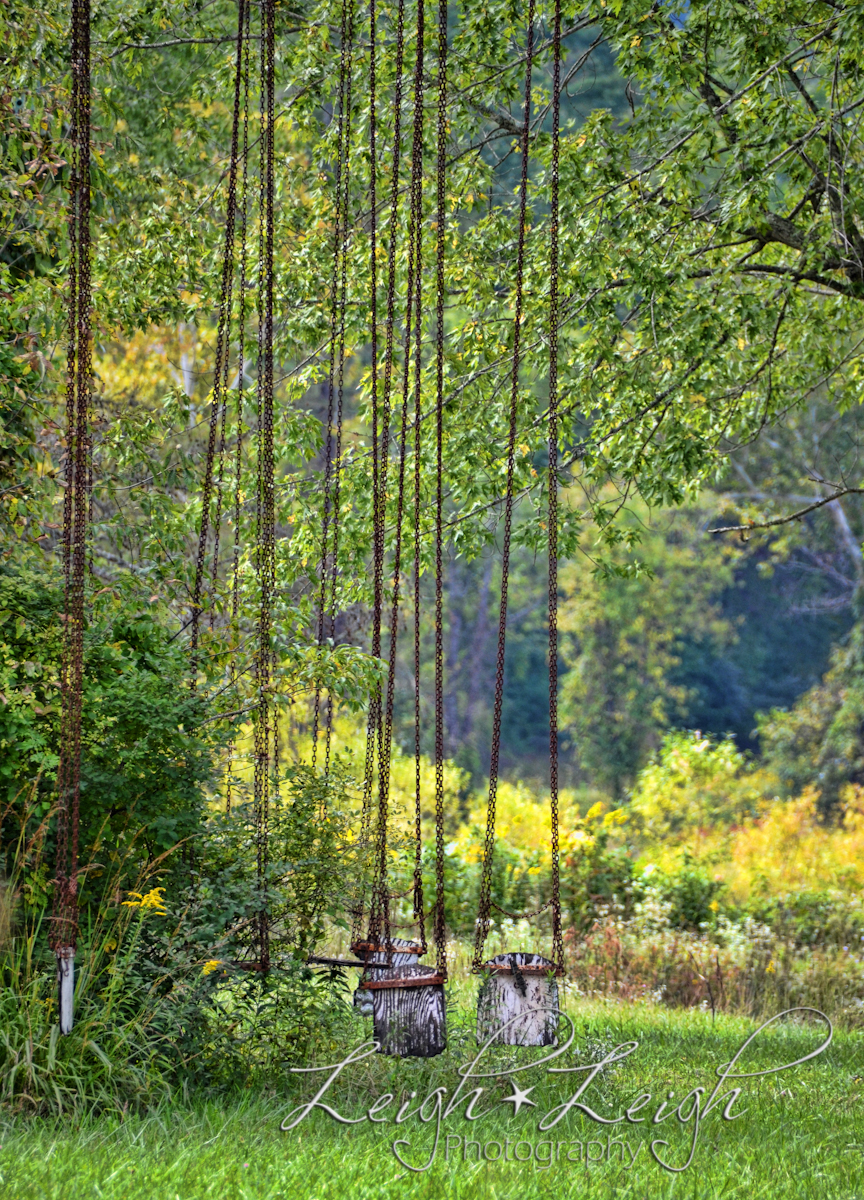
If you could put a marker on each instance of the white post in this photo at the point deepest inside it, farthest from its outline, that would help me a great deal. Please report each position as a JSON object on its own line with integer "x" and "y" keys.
{"x": 66, "y": 986}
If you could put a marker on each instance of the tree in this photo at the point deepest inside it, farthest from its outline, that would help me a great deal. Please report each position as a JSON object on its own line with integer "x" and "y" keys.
{"x": 819, "y": 741}
{"x": 709, "y": 274}
{"x": 623, "y": 633}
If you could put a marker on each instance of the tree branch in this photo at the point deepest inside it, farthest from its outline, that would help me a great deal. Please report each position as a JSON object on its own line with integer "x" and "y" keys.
{"x": 796, "y": 516}
{"x": 210, "y": 41}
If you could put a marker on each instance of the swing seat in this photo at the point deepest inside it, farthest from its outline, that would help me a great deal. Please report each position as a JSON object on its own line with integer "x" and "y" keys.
{"x": 405, "y": 954}
{"x": 408, "y": 1012}
{"x": 519, "y": 989}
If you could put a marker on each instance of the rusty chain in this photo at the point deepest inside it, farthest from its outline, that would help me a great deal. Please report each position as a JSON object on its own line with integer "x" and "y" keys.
{"x": 441, "y": 212}
{"x": 483, "y": 916}
{"x": 339, "y": 237}
{"x": 345, "y": 139}
{"x": 557, "y": 938}
{"x": 373, "y": 723}
{"x": 241, "y": 368}
{"x": 379, "y": 916}
{"x": 76, "y": 502}
{"x": 218, "y": 405}
{"x": 416, "y": 226}
{"x": 265, "y": 557}
{"x": 241, "y": 83}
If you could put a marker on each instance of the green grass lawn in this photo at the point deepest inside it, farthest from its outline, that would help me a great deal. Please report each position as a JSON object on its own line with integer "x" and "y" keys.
{"x": 801, "y": 1132}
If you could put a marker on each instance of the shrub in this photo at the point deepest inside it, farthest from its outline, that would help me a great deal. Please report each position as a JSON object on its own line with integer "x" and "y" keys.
{"x": 789, "y": 848}
{"x": 145, "y": 754}
{"x": 162, "y": 1000}
{"x": 694, "y": 786}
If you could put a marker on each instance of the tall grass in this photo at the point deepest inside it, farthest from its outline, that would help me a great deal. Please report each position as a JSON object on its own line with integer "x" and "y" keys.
{"x": 111, "y": 1057}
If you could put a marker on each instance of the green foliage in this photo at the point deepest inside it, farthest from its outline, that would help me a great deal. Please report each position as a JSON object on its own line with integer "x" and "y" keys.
{"x": 597, "y": 878}
{"x": 819, "y": 741}
{"x": 694, "y": 784}
{"x": 162, "y": 1001}
{"x": 145, "y": 757}
{"x": 690, "y": 893}
{"x": 314, "y": 860}
{"x": 823, "y": 917}
{"x": 711, "y": 273}
{"x": 623, "y": 631}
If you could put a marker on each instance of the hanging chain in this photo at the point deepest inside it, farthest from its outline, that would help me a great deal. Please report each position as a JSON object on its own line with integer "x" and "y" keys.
{"x": 217, "y": 520}
{"x": 525, "y": 916}
{"x": 483, "y": 916}
{"x": 339, "y": 237}
{"x": 416, "y": 222}
{"x": 439, "y": 928}
{"x": 379, "y": 910}
{"x": 557, "y": 938}
{"x": 266, "y": 529}
{"x": 218, "y": 406}
{"x": 373, "y": 724}
{"x": 241, "y": 368}
{"x": 221, "y": 378}
{"x": 345, "y": 136}
{"x": 76, "y": 502}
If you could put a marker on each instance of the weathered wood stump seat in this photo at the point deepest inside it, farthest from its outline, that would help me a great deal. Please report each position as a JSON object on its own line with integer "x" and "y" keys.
{"x": 405, "y": 954}
{"x": 408, "y": 1012}
{"x": 519, "y": 986}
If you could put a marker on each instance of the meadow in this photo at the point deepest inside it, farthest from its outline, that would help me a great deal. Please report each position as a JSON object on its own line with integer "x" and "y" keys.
{"x": 799, "y": 1132}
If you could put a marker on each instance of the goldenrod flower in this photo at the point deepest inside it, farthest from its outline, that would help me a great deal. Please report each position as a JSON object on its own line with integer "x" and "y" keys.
{"x": 152, "y": 900}
{"x": 212, "y": 965}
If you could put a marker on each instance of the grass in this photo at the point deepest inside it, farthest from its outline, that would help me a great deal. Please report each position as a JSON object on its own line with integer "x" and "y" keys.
{"x": 802, "y": 1134}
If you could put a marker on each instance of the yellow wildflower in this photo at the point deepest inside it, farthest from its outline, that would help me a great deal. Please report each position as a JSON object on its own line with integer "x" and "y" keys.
{"x": 211, "y": 965}
{"x": 152, "y": 900}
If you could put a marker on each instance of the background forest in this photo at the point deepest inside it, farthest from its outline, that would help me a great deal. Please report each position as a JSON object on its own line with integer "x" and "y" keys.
{"x": 711, "y": 683}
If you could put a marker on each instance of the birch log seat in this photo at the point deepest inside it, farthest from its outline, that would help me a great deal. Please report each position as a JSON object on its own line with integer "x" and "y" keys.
{"x": 405, "y": 954}
{"x": 408, "y": 1011}
{"x": 518, "y": 986}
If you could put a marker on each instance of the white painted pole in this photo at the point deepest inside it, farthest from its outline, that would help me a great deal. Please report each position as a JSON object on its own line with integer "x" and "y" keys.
{"x": 66, "y": 986}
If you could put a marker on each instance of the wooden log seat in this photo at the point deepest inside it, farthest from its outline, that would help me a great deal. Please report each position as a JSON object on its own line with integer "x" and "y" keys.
{"x": 519, "y": 989}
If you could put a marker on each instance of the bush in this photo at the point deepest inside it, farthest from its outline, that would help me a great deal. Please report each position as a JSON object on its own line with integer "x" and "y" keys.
{"x": 162, "y": 999}
{"x": 145, "y": 754}
{"x": 695, "y": 785}
{"x": 690, "y": 894}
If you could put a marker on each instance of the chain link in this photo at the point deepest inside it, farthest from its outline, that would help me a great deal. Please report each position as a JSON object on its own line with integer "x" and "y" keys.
{"x": 241, "y": 368}
{"x": 373, "y": 724}
{"x": 483, "y": 916}
{"x": 221, "y": 378}
{"x": 218, "y": 406}
{"x": 345, "y": 148}
{"x": 441, "y": 167}
{"x": 340, "y": 231}
{"x": 379, "y": 916}
{"x": 416, "y": 222}
{"x": 266, "y": 524}
{"x": 521, "y": 916}
{"x": 412, "y": 321}
{"x": 557, "y": 938}
{"x": 76, "y": 502}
